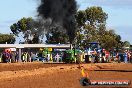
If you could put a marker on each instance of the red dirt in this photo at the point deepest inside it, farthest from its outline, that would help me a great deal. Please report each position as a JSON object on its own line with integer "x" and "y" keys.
{"x": 39, "y": 75}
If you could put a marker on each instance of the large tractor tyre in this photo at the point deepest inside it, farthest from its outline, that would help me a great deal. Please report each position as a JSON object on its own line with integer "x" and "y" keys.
{"x": 85, "y": 81}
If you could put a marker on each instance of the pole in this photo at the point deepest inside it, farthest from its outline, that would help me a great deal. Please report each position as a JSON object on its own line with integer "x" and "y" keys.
{"x": 20, "y": 53}
{"x": 71, "y": 46}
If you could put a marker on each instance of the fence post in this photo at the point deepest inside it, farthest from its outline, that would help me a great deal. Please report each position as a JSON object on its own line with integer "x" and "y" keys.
{"x": 20, "y": 53}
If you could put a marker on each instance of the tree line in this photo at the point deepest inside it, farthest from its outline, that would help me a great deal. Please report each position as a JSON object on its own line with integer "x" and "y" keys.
{"x": 91, "y": 27}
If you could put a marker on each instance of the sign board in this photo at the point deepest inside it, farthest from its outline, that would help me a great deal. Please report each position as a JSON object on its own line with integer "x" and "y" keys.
{"x": 59, "y": 49}
{"x": 10, "y": 49}
{"x": 13, "y": 49}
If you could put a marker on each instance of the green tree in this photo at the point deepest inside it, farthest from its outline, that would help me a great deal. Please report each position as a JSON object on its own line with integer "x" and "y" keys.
{"x": 21, "y": 26}
{"x": 126, "y": 44}
{"x": 28, "y": 27}
{"x": 119, "y": 44}
{"x": 81, "y": 18}
{"x": 96, "y": 16}
{"x": 92, "y": 24}
{"x": 95, "y": 22}
{"x": 7, "y": 38}
{"x": 108, "y": 40}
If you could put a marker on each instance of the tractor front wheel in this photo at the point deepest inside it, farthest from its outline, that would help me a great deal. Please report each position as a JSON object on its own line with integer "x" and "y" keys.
{"x": 85, "y": 81}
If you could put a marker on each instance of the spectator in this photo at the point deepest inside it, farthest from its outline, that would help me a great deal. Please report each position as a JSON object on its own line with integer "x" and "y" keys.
{"x": 48, "y": 57}
{"x": 103, "y": 56}
{"x": 57, "y": 57}
{"x": 22, "y": 57}
{"x": 131, "y": 57}
{"x": 28, "y": 58}
{"x": 125, "y": 56}
{"x": 117, "y": 57}
{"x": 12, "y": 57}
{"x": 0, "y": 58}
{"x": 100, "y": 57}
{"x": 16, "y": 57}
{"x": 6, "y": 57}
{"x": 94, "y": 54}
{"x": 107, "y": 56}
{"x": 33, "y": 57}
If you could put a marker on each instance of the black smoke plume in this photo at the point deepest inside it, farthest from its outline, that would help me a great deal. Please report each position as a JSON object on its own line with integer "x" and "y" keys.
{"x": 61, "y": 12}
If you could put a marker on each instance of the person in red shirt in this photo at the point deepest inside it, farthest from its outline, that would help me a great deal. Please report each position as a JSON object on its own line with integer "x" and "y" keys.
{"x": 107, "y": 56}
{"x": 129, "y": 56}
{"x": 117, "y": 57}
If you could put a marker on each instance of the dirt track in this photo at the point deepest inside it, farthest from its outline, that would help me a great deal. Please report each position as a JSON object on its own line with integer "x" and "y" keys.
{"x": 39, "y": 75}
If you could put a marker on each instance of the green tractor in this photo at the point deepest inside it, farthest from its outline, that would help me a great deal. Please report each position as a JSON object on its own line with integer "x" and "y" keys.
{"x": 70, "y": 56}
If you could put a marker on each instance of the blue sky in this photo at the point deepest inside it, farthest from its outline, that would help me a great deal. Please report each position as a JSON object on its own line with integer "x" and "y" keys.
{"x": 119, "y": 13}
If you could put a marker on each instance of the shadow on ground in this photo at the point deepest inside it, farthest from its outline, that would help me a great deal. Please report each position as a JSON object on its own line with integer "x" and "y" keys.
{"x": 115, "y": 70}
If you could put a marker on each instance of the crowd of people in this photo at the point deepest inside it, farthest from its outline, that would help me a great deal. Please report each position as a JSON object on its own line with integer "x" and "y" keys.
{"x": 95, "y": 57}
{"x": 107, "y": 56}
{"x": 127, "y": 56}
{"x": 13, "y": 57}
